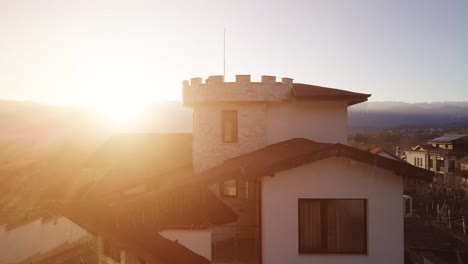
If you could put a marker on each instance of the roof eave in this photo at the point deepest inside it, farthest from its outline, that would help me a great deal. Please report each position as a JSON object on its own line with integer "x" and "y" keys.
{"x": 351, "y": 100}
{"x": 135, "y": 246}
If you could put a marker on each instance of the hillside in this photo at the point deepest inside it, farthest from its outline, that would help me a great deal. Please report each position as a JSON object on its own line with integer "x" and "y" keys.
{"x": 42, "y": 147}
{"x": 388, "y": 115}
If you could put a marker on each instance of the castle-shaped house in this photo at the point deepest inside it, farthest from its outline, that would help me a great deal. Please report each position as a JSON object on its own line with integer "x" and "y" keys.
{"x": 271, "y": 180}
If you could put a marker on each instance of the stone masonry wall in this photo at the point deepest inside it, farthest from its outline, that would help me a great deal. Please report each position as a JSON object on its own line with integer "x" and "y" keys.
{"x": 250, "y": 99}
{"x": 208, "y": 147}
{"x": 243, "y": 90}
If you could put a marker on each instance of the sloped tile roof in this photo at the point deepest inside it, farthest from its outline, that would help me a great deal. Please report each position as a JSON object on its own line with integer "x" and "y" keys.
{"x": 378, "y": 150}
{"x": 148, "y": 245}
{"x": 135, "y": 227}
{"x": 283, "y": 156}
{"x": 320, "y": 93}
{"x": 447, "y": 138}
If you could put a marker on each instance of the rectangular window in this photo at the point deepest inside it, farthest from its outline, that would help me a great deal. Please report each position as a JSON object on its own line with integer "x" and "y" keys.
{"x": 229, "y": 188}
{"x": 229, "y": 126}
{"x": 332, "y": 226}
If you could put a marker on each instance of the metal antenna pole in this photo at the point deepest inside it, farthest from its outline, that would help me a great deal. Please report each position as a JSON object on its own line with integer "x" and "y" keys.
{"x": 224, "y": 51}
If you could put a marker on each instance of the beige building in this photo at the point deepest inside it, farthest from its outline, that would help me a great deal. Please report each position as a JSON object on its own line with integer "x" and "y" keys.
{"x": 271, "y": 181}
{"x": 442, "y": 156}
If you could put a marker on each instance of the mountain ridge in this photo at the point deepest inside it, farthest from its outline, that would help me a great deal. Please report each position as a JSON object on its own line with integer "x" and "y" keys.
{"x": 388, "y": 115}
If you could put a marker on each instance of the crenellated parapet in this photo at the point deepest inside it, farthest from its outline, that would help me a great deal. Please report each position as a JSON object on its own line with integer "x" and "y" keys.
{"x": 214, "y": 89}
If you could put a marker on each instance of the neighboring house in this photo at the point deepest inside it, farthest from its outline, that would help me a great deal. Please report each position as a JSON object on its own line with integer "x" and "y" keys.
{"x": 36, "y": 237}
{"x": 441, "y": 156}
{"x": 463, "y": 163}
{"x": 411, "y": 185}
{"x": 272, "y": 181}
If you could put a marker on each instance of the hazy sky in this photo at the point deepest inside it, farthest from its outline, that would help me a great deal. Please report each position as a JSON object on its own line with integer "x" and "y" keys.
{"x": 85, "y": 52}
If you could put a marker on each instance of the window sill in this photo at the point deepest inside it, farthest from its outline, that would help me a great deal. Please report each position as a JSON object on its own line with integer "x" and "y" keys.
{"x": 229, "y": 196}
{"x": 332, "y": 254}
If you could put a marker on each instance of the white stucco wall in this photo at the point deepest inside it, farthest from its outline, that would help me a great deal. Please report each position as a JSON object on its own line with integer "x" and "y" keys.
{"x": 199, "y": 241}
{"x": 333, "y": 178}
{"x": 318, "y": 121}
{"x": 36, "y": 237}
{"x": 410, "y": 155}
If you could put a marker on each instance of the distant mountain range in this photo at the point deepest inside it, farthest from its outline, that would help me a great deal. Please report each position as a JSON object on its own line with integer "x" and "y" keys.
{"x": 389, "y": 115}
{"x": 365, "y": 116}
{"x": 33, "y": 119}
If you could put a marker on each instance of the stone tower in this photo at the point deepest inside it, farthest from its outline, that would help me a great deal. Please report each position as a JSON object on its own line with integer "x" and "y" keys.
{"x": 230, "y": 118}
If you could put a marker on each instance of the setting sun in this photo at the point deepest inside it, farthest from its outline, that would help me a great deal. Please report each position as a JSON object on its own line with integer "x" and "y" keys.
{"x": 121, "y": 113}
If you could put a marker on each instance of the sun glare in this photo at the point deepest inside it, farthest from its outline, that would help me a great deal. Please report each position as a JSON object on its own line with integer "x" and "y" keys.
{"x": 121, "y": 113}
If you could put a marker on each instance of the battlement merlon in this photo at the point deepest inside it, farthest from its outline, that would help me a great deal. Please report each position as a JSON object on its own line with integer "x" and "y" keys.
{"x": 214, "y": 89}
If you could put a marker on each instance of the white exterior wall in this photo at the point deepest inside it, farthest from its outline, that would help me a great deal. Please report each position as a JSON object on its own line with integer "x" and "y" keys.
{"x": 317, "y": 121}
{"x": 410, "y": 155}
{"x": 333, "y": 178}
{"x": 199, "y": 241}
{"x": 36, "y": 238}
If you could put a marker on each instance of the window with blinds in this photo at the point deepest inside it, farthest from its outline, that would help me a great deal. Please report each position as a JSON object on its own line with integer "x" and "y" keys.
{"x": 332, "y": 226}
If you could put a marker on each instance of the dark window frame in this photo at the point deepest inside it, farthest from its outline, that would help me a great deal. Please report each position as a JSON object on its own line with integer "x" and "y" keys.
{"x": 222, "y": 186}
{"x": 233, "y": 116}
{"x": 324, "y": 228}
